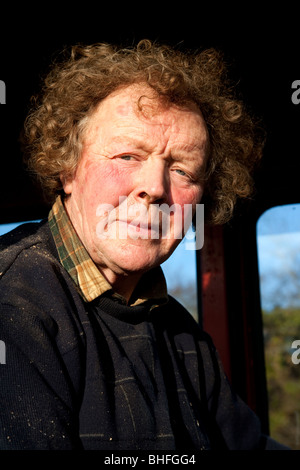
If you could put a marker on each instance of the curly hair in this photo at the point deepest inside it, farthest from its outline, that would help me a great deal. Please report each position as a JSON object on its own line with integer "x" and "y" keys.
{"x": 74, "y": 87}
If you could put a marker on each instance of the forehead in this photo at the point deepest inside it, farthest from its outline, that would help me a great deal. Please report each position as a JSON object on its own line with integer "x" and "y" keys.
{"x": 136, "y": 117}
{"x": 137, "y": 108}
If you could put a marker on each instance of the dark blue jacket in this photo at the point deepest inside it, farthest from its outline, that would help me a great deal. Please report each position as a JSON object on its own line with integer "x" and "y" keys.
{"x": 102, "y": 375}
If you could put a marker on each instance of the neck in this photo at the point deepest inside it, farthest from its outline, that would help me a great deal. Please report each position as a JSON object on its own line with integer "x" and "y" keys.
{"x": 123, "y": 284}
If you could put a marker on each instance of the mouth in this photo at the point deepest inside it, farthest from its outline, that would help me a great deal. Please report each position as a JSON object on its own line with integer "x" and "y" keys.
{"x": 138, "y": 229}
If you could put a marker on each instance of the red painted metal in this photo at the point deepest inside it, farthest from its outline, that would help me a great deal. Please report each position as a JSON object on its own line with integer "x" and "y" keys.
{"x": 214, "y": 300}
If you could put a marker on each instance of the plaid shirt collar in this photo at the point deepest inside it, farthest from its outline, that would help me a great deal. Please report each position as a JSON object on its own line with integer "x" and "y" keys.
{"x": 85, "y": 274}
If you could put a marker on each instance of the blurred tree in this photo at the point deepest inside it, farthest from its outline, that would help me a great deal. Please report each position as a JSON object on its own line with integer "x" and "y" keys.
{"x": 281, "y": 328}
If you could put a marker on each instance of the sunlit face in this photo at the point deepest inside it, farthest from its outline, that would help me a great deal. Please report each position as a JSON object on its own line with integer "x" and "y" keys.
{"x": 130, "y": 159}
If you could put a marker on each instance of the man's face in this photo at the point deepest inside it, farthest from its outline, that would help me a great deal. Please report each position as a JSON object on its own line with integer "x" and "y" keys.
{"x": 133, "y": 162}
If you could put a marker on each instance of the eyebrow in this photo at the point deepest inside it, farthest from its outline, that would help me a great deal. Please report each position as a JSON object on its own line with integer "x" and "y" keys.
{"x": 142, "y": 144}
{"x": 139, "y": 143}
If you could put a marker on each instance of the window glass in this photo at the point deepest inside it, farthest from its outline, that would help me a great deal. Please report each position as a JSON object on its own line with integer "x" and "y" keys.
{"x": 181, "y": 274}
{"x": 278, "y": 239}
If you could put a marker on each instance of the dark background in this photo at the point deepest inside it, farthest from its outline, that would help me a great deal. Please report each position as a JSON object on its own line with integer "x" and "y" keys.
{"x": 260, "y": 46}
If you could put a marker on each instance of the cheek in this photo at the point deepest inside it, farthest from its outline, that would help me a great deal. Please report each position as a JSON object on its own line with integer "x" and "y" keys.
{"x": 185, "y": 200}
{"x": 191, "y": 196}
{"x": 101, "y": 183}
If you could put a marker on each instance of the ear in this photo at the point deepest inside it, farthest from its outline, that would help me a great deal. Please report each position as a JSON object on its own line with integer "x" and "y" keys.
{"x": 67, "y": 183}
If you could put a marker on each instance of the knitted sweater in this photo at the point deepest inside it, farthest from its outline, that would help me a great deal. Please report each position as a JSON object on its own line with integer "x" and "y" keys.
{"x": 102, "y": 375}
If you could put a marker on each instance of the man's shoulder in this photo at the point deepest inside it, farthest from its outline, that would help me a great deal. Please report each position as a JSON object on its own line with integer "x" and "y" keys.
{"x": 23, "y": 234}
{"x": 28, "y": 265}
{"x": 32, "y": 280}
{"x": 31, "y": 238}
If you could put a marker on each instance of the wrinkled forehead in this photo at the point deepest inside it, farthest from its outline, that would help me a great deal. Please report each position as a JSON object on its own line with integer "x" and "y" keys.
{"x": 142, "y": 103}
{"x": 146, "y": 102}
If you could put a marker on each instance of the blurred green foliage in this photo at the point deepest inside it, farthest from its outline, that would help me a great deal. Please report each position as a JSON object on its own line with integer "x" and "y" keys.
{"x": 281, "y": 328}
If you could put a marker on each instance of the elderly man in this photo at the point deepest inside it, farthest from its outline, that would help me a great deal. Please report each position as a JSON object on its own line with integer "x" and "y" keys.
{"x": 98, "y": 356}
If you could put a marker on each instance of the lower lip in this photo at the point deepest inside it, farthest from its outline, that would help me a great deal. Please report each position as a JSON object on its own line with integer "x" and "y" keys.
{"x": 134, "y": 232}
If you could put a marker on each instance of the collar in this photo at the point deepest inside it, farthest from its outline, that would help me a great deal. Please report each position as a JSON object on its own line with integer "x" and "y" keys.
{"x": 84, "y": 272}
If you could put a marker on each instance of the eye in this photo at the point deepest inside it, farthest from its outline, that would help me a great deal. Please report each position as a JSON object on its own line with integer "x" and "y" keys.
{"x": 184, "y": 176}
{"x": 126, "y": 157}
{"x": 180, "y": 172}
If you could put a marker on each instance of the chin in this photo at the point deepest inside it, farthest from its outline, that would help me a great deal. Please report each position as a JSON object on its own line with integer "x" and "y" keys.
{"x": 134, "y": 256}
{"x": 138, "y": 260}
{"x": 137, "y": 265}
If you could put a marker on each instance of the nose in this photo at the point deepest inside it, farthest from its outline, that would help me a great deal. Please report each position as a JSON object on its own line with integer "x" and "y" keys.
{"x": 153, "y": 182}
